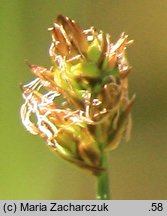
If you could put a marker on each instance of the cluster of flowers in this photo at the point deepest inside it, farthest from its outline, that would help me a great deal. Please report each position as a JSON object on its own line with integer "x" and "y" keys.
{"x": 80, "y": 106}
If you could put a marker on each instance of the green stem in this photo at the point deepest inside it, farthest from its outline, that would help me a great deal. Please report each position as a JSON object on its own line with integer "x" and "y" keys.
{"x": 103, "y": 190}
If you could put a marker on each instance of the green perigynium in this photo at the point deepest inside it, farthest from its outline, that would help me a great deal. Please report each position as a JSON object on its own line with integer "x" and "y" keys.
{"x": 80, "y": 106}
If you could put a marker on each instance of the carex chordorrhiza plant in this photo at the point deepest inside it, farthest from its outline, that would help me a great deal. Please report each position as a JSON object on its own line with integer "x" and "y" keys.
{"x": 80, "y": 105}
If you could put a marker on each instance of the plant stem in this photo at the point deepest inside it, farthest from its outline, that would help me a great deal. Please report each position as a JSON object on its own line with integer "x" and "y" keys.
{"x": 103, "y": 190}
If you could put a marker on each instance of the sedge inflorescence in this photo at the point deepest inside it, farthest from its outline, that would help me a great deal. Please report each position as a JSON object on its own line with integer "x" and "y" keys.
{"x": 80, "y": 106}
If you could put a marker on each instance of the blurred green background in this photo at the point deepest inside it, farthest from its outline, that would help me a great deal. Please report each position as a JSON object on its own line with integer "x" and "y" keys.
{"x": 138, "y": 169}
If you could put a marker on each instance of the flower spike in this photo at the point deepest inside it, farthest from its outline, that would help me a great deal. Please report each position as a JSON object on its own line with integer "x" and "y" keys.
{"x": 80, "y": 105}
